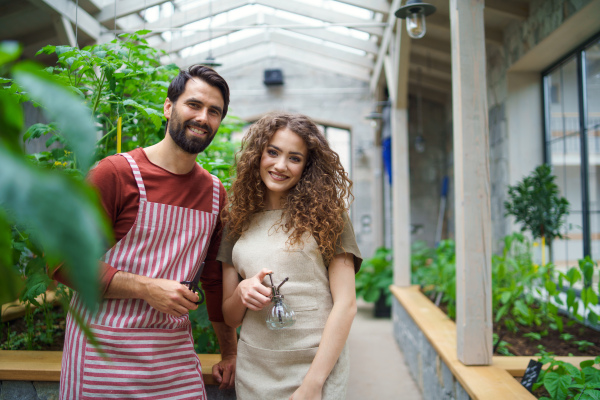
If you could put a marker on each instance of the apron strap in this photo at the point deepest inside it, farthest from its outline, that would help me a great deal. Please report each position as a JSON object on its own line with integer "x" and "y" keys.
{"x": 136, "y": 175}
{"x": 216, "y": 193}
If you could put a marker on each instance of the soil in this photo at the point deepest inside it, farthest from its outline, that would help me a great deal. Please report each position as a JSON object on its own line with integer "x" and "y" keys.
{"x": 43, "y": 338}
{"x": 520, "y": 345}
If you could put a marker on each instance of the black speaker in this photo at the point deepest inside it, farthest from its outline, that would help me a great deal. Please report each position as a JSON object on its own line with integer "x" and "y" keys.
{"x": 273, "y": 77}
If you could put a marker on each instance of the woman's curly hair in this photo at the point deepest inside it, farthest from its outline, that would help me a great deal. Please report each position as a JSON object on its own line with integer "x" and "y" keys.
{"x": 318, "y": 201}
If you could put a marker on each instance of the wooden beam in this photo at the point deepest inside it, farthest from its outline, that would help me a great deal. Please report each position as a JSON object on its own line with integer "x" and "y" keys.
{"x": 64, "y": 31}
{"x": 518, "y": 10}
{"x": 427, "y": 64}
{"x": 397, "y": 64}
{"x": 472, "y": 184}
{"x": 441, "y": 23}
{"x": 383, "y": 47}
{"x": 380, "y": 6}
{"x": 432, "y": 83}
{"x": 86, "y": 23}
{"x": 436, "y": 95}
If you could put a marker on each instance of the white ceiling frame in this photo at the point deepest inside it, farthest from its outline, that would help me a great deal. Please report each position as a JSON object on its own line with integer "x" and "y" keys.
{"x": 64, "y": 30}
{"x": 125, "y": 8}
{"x": 380, "y": 6}
{"x": 270, "y": 50}
{"x": 317, "y": 61}
{"x": 306, "y": 10}
{"x": 85, "y": 22}
{"x": 281, "y": 38}
{"x": 384, "y": 46}
{"x": 336, "y": 38}
{"x": 181, "y": 18}
{"x": 181, "y": 43}
{"x": 221, "y": 51}
{"x": 323, "y": 34}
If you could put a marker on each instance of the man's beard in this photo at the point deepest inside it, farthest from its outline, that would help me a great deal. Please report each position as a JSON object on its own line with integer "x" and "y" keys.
{"x": 189, "y": 144}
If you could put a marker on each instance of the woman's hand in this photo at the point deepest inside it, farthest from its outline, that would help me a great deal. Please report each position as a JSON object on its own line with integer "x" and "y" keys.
{"x": 253, "y": 294}
{"x": 307, "y": 392}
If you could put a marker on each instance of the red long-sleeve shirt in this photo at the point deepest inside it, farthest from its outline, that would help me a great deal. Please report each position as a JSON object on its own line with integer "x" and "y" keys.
{"x": 120, "y": 197}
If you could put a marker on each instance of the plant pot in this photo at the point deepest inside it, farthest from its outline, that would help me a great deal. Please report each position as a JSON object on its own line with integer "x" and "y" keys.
{"x": 382, "y": 310}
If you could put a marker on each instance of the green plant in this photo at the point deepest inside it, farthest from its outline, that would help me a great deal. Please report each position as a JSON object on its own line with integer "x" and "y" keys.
{"x": 375, "y": 276}
{"x": 35, "y": 201}
{"x": 563, "y": 380}
{"x": 536, "y": 205}
{"x": 83, "y": 95}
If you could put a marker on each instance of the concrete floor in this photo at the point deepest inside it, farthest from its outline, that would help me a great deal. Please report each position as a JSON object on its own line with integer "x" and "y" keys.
{"x": 377, "y": 368}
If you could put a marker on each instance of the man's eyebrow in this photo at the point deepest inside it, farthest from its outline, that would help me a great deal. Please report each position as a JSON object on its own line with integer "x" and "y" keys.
{"x": 291, "y": 152}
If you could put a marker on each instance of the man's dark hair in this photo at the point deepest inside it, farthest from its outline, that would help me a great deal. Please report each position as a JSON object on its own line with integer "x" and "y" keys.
{"x": 203, "y": 73}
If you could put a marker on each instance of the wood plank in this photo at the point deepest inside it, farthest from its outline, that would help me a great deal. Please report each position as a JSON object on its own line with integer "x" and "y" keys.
{"x": 384, "y": 46}
{"x": 473, "y": 222}
{"x": 23, "y": 365}
{"x": 480, "y": 382}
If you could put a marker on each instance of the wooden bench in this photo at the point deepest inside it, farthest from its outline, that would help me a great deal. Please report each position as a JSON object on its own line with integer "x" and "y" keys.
{"x": 22, "y": 365}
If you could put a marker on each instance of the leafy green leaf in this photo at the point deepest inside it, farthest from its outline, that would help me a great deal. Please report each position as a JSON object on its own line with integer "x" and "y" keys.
{"x": 62, "y": 214}
{"x": 9, "y": 51}
{"x": 70, "y": 115}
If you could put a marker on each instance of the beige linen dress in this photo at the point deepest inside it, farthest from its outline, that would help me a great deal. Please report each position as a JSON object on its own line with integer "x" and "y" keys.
{"x": 271, "y": 364}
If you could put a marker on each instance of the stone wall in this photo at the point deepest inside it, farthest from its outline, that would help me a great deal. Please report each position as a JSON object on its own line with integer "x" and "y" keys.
{"x": 27, "y": 390}
{"x": 433, "y": 377}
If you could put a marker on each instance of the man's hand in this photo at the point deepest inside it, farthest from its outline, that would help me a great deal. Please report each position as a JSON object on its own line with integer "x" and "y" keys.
{"x": 224, "y": 372}
{"x": 165, "y": 295}
{"x": 170, "y": 297}
{"x": 253, "y": 293}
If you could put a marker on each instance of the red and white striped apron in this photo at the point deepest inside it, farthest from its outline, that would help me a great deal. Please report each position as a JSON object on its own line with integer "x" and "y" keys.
{"x": 150, "y": 354}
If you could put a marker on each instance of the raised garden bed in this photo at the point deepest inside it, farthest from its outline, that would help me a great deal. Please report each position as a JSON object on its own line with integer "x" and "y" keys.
{"x": 427, "y": 338}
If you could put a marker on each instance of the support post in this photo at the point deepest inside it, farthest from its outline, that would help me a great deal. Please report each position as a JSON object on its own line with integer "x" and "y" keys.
{"x": 472, "y": 183}
{"x": 398, "y": 90}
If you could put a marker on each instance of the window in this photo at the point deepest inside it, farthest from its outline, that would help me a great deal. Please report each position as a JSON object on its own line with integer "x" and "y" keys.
{"x": 572, "y": 137}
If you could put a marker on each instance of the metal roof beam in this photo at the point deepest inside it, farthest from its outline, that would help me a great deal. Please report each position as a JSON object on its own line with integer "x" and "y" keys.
{"x": 85, "y": 22}
{"x": 125, "y": 8}
{"x": 181, "y": 43}
{"x": 288, "y": 41}
{"x": 319, "y": 13}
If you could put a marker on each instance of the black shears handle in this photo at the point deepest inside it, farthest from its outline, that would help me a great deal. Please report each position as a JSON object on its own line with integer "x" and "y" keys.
{"x": 193, "y": 285}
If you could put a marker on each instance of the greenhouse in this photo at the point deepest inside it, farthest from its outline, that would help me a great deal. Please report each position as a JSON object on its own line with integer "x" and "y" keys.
{"x": 452, "y": 146}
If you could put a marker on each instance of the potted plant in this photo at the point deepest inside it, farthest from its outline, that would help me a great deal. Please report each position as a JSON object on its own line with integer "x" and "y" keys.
{"x": 536, "y": 205}
{"x": 374, "y": 279}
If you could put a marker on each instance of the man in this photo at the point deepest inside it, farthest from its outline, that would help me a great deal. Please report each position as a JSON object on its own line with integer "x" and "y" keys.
{"x": 165, "y": 213}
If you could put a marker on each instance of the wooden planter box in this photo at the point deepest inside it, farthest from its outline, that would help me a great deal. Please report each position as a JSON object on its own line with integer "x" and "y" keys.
{"x": 427, "y": 337}
{"x": 36, "y": 374}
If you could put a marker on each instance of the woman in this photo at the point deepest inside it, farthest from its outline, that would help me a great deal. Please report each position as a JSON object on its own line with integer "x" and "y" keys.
{"x": 287, "y": 217}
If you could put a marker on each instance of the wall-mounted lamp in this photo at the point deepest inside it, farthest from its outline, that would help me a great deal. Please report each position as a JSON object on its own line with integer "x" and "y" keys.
{"x": 415, "y": 11}
{"x": 376, "y": 115}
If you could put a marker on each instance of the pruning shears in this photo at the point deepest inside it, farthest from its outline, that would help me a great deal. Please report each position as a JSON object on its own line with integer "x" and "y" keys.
{"x": 193, "y": 284}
